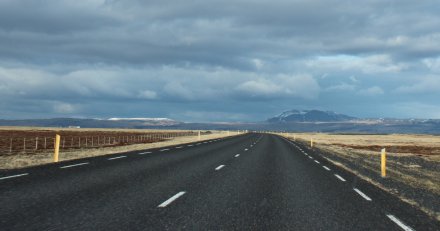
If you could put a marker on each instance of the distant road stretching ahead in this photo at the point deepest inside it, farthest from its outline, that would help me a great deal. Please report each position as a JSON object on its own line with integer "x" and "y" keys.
{"x": 247, "y": 182}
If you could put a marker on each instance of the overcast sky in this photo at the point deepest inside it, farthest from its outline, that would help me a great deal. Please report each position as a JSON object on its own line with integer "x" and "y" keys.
{"x": 218, "y": 60}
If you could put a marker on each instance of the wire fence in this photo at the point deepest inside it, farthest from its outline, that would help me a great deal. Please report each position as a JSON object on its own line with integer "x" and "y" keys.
{"x": 29, "y": 145}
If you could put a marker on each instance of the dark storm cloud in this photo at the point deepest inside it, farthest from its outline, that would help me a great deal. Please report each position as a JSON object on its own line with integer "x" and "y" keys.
{"x": 178, "y": 58}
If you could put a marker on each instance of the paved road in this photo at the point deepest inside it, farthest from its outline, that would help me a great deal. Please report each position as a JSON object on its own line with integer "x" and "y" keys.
{"x": 247, "y": 182}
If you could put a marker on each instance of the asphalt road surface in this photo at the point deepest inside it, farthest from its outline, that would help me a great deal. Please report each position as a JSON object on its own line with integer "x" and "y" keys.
{"x": 246, "y": 182}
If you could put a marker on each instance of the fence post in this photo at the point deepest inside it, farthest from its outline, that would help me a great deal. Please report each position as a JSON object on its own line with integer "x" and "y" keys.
{"x": 57, "y": 148}
{"x": 311, "y": 142}
{"x": 36, "y": 143}
{"x": 383, "y": 162}
{"x": 10, "y": 146}
{"x": 199, "y": 136}
{"x": 45, "y": 143}
{"x": 24, "y": 144}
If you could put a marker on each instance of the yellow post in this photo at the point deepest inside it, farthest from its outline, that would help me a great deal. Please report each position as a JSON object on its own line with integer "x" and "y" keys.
{"x": 383, "y": 163}
{"x": 199, "y": 136}
{"x": 57, "y": 148}
{"x": 294, "y": 138}
{"x": 311, "y": 142}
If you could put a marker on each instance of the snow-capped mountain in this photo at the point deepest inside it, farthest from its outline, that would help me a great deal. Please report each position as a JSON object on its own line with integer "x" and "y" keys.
{"x": 310, "y": 116}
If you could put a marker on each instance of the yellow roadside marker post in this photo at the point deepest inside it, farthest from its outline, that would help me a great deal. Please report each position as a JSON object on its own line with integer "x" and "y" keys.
{"x": 57, "y": 148}
{"x": 383, "y": 162}
{"x": 199, "y": 136}
{"x": 311, "y": 142}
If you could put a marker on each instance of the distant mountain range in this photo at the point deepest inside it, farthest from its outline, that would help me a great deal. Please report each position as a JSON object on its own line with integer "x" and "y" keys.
{"x": 310, "y": 116}
{"x": 94, "y": 123}
{"x": 293, "y": 120}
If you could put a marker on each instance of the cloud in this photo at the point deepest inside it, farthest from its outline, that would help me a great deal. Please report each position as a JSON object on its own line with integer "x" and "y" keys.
{"x": 147, "y": 94}
{"x": 303, "y": 86}
{"x": 425, "y": 85}
{"x": 156, "y": 58}
{"x": 343, "y": 87}
{"x": 63, "y": 108}
{"x": 371, "y": 64}
{"x": 372, "y": 91}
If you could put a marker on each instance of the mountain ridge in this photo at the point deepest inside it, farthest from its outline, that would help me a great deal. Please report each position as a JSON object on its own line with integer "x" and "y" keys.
{"x": 309, "y": 116}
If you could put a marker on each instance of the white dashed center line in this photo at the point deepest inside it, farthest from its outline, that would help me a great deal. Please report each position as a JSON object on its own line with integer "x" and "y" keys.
{"x": 326, "y": 168}
{"x": 362, "y": 194}
{"x": 339, "y": 177}
{"x": 143, "y": 153}
{"x": 190, "y": 145}
{"x": 179, "y": 147}
{"x": 169, "y": 201}
{"x": 245, "y": 149}
{"x": 316, "y": 161}
{"x": 163, "y": 150}
{"x": 74, "y": 165}
{"x": 118, "y": 157}
{"x": 219, "y": 167}
{"x": 310, "y": 157}
{"x": 13, "y": 176}
{"x": 237, "y": 155}
{"x": 399, "y": 223}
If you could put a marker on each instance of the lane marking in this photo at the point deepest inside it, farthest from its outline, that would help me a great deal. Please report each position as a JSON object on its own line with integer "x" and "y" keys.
{"x": 219, "y": 167}
{"x": 163, "y": 150}
{"x": 173, "y": 198}
{"x": 362, "y": 194}
{"x": 326, "y": 168}
{"x": 118, "y": 157}
{"x": 143, "y": 153}
{"x": 245, "y": 149}
{"x": 340, "y": 177}
{"x": 13, "y": 176}
{"x": 237, "y": 155}
{"x": 316, "y": 161}
{"x": 190, "y": 145}
{"x": 179, "y": 147}
{"x": 74, "y": 165}
{"x": 310, "y": 157}
{"x": 399, "y": 223}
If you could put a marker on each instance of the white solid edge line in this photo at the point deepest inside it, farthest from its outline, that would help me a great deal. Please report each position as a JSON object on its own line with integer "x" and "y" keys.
{"x": 74, "y": 165}
{"x": 13, "y": 176}
{"x": 362, "y": 194}
{"x": 169, "y": 201}
{"x": 237, "y": 155}
{"x": 143, "y": 153}
{"x": 399, "y": 223}
{"x": 118, "y": 157}
{"x": 219, "y": 167}
{"x": 339, "y": 177}
{"x": 316, "y": 161}
{"x": 326, "y": 168}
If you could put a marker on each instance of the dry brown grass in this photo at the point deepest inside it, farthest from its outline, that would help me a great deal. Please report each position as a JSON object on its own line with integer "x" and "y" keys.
{"x": 26, "y": 160}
